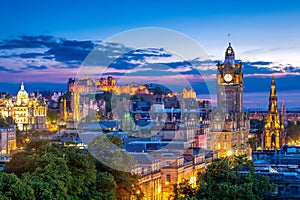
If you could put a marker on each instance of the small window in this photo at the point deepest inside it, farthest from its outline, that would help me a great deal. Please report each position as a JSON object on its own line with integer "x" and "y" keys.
{"x": 168, "y": 178}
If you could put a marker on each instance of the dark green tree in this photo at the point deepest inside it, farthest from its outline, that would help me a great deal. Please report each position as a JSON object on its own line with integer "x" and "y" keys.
{"x": 110, "y": 154}
{"x": 106, "y": 185}
{"x": 125, "y": 181}
{"x": 184, "y": 190}
{"x": 292, "y": 132}
{"x": 11, "y": 187}
{"x": 227, "y": 178}
{"x": 58, "y": 172}
{"x": 52, "y": 181}
{"x": 42, "y": 159}
{"x": 20, "y": 138}
{"x": 115, "y": 140}
{"x": 52, "y": 116}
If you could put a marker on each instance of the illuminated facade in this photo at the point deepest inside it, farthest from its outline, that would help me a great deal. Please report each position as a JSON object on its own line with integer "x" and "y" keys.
{"x": 160, "y": 170}
{"x": 7, "y": 140}
{"x": 229, "y": 126}
{"x": 110, "y": 81}
{"x": 79, "y": 107}
{"x": 188, "y": 93}
{"x": 274, "y": 128}
{"x": 176, "y": 170}
{"x": 27, "y": 111}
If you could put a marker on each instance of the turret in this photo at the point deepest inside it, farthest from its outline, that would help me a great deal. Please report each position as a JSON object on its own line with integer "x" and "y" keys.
{"x": 229, "y": 55}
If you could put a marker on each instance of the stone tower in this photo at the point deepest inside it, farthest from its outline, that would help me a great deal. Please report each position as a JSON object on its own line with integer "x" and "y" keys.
{"x": 273, "y": 134}
{"x": 230, "y": 125}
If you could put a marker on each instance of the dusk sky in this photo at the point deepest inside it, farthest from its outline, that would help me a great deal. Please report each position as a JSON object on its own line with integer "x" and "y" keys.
{"x": 44, "y": 44}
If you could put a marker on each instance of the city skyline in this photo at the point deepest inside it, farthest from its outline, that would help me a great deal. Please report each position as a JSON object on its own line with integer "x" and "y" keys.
{"x": 152, "y": 100}
{"x": 264, "y": 37}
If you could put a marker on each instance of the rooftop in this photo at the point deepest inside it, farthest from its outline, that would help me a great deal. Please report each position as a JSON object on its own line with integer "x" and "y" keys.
{"x": 144, "y": 158}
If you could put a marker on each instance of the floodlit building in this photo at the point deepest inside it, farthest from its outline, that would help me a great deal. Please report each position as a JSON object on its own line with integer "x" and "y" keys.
{"x": 229, "y": 127}
{"x": 160, "y": 170}
{"x": 28, "y": 111}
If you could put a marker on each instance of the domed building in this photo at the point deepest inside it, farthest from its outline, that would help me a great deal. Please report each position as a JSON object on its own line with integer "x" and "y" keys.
{"x": 22, "y": 96}
{"x": 28, "y": 112}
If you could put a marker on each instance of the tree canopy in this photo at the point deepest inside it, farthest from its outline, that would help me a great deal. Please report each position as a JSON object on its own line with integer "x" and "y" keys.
{"x": 13, "y": 188}
{"x": 50, "y": 171}
{"x": 52, "y": 115}
{"x": 259, "y": 126}
{"x": 292, "y": 132}
{"x": 226, "y": 178}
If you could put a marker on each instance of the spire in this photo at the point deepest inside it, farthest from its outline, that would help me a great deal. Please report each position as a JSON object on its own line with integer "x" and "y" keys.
{"x": 273, "y": 87}
{"x": 22, "y": 86}
{"x": 273, "y": 107}
{"x": 273, "y": 132}
{"x": 229, "y": 54}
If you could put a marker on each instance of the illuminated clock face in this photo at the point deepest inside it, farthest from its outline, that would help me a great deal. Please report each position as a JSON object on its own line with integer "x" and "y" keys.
{"x": 227, "y": 77}
{"x": 229, "y": 51}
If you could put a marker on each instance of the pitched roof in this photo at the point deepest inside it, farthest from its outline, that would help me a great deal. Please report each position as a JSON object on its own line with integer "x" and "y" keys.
{"x": 144, "y": 158}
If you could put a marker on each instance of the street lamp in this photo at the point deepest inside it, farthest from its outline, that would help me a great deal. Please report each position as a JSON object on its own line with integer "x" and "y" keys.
{"x": 229, "y": 153}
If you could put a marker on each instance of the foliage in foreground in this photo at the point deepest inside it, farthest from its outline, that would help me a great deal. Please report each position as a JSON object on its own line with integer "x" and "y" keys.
{"x": 49, "y": 171}
{"x": 226, "y": 178}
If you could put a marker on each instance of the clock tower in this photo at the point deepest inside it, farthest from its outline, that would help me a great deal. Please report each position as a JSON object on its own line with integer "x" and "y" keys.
{"x": 229, "y": 125}
{"x": 230, "y": 83}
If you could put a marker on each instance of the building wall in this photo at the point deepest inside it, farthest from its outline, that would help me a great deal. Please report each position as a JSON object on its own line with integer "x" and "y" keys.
{"x": 7, "y": 140}
{"x": 157, "y": 184}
